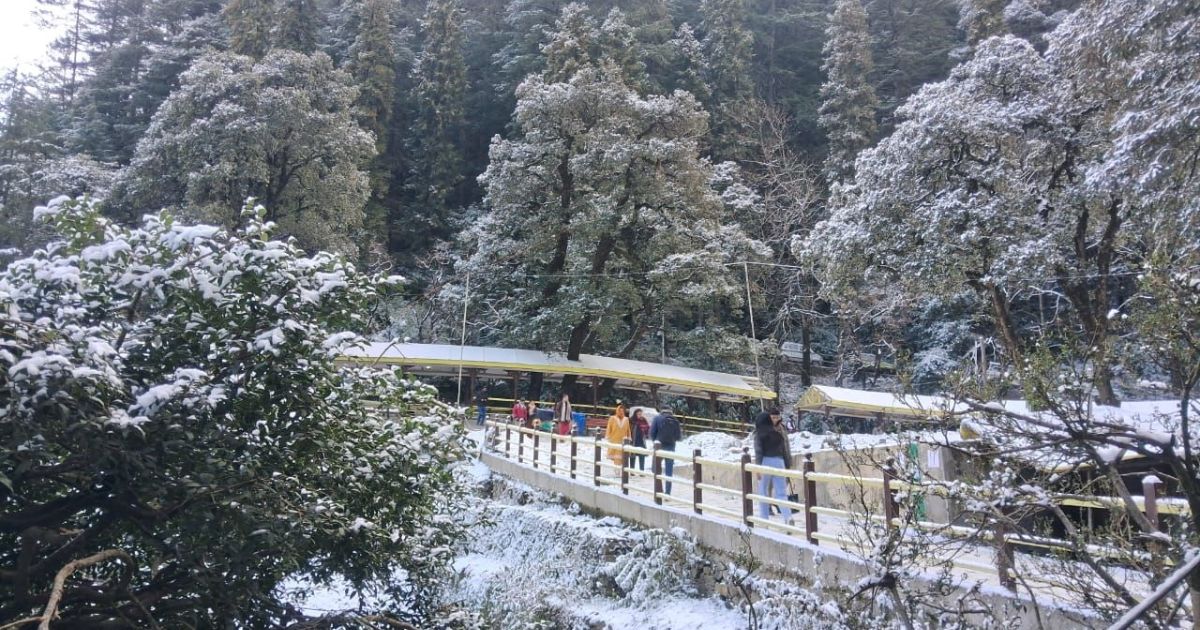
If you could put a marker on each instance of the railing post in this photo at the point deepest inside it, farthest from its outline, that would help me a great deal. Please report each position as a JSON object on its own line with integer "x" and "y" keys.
{"x": 810, "y": 500}
{"x": 520, "y": 445}
{"x": 747, "y": 488}
{"x": 697, "y": 479}
{"x": 553, "y": 456}
{"x": 890, "y": 508}
{"x": 1151, "y": 486}
{"x": 656, "y": 469}
{"x": 574, "y": 456}
{"x": 596, "y": 460}
{"x": 535, "y": 448}
{"x": 624, "y": 468}
{"x": 507, "y": 441}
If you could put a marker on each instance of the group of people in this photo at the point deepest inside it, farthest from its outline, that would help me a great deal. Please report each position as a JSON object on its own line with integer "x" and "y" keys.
{"x": 664, "y": 428}
{"x": 527, "y": 414}
{"x": 771, "y": 446}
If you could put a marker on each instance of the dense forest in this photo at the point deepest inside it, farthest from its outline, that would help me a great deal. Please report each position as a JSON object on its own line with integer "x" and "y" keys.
{"x": 619, "y": 177}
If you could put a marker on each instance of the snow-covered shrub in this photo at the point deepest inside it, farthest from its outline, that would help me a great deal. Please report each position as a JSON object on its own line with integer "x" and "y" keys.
{"x": 169, "y": 395}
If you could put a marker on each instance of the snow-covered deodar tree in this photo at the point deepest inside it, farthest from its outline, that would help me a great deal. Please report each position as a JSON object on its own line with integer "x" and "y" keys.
{"x": 1067, "y": 179}
{"x": 280, "y": 129}
{"x": 601, "y": 218}
{"x": 176, "y": 440}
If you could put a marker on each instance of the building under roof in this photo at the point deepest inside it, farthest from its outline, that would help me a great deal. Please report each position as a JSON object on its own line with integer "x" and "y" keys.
{"x": 509, "y": 364}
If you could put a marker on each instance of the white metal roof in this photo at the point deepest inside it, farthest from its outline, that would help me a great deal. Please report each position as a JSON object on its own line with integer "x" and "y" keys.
{"x": 499, "y": 362}
{"x": 843, "y": 401}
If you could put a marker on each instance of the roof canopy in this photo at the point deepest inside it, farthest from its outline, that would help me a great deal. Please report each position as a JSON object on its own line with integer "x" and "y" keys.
{"x": 858, "y": 403}
{"x": 1160, "y": 417}
{"x": 438, "y": 359}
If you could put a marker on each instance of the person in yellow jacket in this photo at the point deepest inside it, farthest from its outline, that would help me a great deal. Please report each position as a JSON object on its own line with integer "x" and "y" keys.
{"x": 619, "y": 429}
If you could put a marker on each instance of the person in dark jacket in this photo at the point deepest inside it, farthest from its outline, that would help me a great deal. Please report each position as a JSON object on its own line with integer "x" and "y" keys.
{"x": 666, "y": 430}
{"x": 641, "y": 431}
{"x": 771, "y": 449}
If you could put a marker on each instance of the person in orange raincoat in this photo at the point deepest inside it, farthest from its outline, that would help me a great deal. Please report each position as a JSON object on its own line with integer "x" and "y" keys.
{"x": 619, "y": 429}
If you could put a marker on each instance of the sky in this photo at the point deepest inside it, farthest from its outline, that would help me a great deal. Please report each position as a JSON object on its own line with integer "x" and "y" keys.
{"x": 21, "y": 41}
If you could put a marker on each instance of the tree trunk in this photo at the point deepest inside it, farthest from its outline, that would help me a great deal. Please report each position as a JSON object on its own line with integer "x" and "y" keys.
{"x": 1008, "y": 330}
{"x": 575, "y": 347}
{"x": 536, "y": 381}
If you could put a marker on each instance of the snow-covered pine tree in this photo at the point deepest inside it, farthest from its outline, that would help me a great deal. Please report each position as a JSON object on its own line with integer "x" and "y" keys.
{"x": 981, "y": 19}
{"x": 728, "y": 47}
{"x": 572, "y": 46}
{"x": 600, "y": 217}
{"x": 280, "y": 130}
{"x": 436, "y": 136}
{"x": 688, "y": 65}
{"x": 249, "y": 23}
{"x": 848, "y": 102}
{"x": 618, "y": 38}
{"x": 653, "y": 30}
{"x": 371, "y": 60}
{"x": 296, "y": 25}
{"x": 528, "y": 26}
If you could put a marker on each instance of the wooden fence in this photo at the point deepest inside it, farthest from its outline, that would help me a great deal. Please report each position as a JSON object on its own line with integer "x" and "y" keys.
{"x": 585, "y": 459}
{"x": 503, "y": 407}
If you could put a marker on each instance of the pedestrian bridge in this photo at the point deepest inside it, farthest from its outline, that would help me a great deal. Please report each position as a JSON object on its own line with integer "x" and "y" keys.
{"x": 837, "y": 520}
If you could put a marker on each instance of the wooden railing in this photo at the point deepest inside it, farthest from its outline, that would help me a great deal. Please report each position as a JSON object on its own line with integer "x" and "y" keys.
{"x": 503, "y": 407}
{"x": 585, "y": 459}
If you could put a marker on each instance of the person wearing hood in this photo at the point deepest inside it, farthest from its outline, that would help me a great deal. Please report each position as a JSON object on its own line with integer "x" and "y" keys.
{"x": 771, "y": 449}
{"x": 618, "y": 430}
{"x": 641, "y": 433}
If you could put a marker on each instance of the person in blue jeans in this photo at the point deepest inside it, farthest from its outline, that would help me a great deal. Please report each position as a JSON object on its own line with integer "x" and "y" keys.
{"x": 481, "y": 401}
{"x": 665, "y": 430}
{"x": 771, "y": 449}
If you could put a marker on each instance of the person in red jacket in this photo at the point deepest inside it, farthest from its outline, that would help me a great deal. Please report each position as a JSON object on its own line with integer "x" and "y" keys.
{"x": 519, "y": 412}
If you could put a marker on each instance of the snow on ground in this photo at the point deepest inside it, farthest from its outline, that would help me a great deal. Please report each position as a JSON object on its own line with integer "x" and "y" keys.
{"x": 675, "y": 613}
{"x": 725, "y": 447}
{"x": 534, "y": 561}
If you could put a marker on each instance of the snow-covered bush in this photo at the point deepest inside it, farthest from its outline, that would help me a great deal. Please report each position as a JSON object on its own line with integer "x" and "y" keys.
{"x": 173, "y": 426}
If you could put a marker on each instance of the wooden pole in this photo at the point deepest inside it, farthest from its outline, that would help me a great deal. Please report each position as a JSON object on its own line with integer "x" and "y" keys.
{"x": 1151, "y": 486}
{"x": 624, "y": 468}
{"x": 747, "y": 488}
{"x": 810, "y": 500}
{"x": 574, "y": 457}
{"x": 890, "y": 508}
{"x": 471, "y": 384}
{"x": 697, "y": 479}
